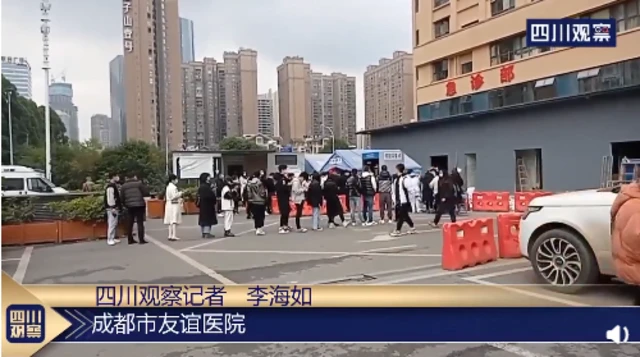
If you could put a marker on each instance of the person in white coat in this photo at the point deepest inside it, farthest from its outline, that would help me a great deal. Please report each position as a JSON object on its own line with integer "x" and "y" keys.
{"x": 434, "y": 187}
{"x": 227, "y": 205}
{"x": 413, "y": 184}
{"x": 173, "y": 207}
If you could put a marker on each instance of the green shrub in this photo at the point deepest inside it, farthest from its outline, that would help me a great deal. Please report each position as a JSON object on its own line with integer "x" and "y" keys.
{"x": 17, "y": 210}
{"x": 86, "y": 209}
{"x": 190, "y": 193}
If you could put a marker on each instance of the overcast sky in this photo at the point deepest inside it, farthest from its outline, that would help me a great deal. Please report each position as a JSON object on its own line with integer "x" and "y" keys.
{"x": 332, "y": 35}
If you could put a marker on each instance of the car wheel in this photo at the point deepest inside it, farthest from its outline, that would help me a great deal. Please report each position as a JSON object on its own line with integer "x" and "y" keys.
{"x": 564, "y": 261}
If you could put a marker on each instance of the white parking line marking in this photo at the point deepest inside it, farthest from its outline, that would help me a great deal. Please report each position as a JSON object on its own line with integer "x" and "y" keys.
{"x": 387, "y": 251}
{"x": 388, "y": 237}
{"x": 195, "y": 264}
{"x": 447, "y": 273}
{"x": 21, "y": 270}
{"x": 218, "y": 240}
{"x": 527, "y": 292}
{"x": 11, "y": 259}
{"x": 502, "y": 273}
{"x": 375, "y": 273}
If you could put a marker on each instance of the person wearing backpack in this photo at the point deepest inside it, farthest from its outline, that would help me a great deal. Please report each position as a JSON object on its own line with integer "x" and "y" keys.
{"x": 257, "y": 197}
{"x": 355, "y": 197}
{"x": 368, "y": 190}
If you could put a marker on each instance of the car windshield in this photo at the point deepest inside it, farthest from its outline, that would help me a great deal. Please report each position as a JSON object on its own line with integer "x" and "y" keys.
{"x": 51, "y": 184}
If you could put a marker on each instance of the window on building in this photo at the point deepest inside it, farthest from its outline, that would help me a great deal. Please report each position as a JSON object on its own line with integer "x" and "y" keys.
{"x": 627, "y": 15}
{"x": 437, "y": 3}
{"x": 496, "y": 98}
{"x": 466, "y": 67}
{"x": 500, "y": 6}
{"x": 510, "y": 49}
{"x": 588, "y": 80}
{"x": 440, "y": 70}
{"x": 417, "y": 37}
{"x": 545, "y": 89}
{"x": 416, "y": 5}
{"x": 466, "y": 104}
{"x": 441, "y": 27}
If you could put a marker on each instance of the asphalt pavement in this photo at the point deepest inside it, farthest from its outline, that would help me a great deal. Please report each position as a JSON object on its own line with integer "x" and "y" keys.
{"x": 353, "y": 255}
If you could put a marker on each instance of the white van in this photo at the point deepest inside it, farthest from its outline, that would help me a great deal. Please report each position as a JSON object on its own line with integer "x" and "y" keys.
{"x": 24, "y": 181}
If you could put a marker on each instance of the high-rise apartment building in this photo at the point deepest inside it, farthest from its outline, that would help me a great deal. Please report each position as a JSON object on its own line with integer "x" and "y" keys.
{"x": 102, "y": 129}
{"x": 116, "y": 90}
{"x": 294, "y": 96}
{"x": 276, "y": 113}
{"x": 18, "y": 71}
{"x": 333, "y": 106}
{"x": 187, "y": 41}
{"x": 61, "y": 99}
{"x": 152, "y": 68}
{"x": 220, "y": 98}
{"x": 265, "y": 113}
{"x": 239, "y": 79}
{"x": 201, "y": 106}
{"x": 388, "y": 91}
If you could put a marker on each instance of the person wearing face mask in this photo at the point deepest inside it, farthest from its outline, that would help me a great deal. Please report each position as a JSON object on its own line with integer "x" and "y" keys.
{"x": 447, "y": 199}
{"x": 229, "y": 196}
{"x": 434, "y": 188}
{"x": 299, "y": 188}
{"x": 243, "y": 193}
{"x": 206, "y": 202}
{"x": 402, "y": 202}
{"x": 173, "y": 207}
{"x": 283, "y": 195}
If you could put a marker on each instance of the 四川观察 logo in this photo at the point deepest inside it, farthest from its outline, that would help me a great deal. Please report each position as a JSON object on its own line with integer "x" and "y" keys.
{"x": 25, "y": 323}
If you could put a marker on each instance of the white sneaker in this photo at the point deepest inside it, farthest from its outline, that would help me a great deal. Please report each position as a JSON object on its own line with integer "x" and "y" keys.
{"x": 220, "y": 214}
{"x": 412, "y": 231}
{"x": 395, "y": 234}
{"x": 283, "y": 231}
{"x": 260, "y": 232}
{"x": 111, "y": 242}
{"x": 266, "y": 214}
{"x": 318, "y": 229}
{"x": 345, "y": 224}
{"x": 116, "y": 241}
{"x": 302, "y": 230}
{"x": 382, "y": 221}
{"x": 332, "y": 226}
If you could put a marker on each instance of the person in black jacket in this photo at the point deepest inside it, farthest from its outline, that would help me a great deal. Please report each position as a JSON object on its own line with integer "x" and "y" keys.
{"x": 132, "y": 195}
{"x": 446, "y": 197}
{"x": 314, "y": 198}
{"x": 458, "y": 182}
{"x": 334, "y": 207}
{"x": 427, "y": 192}
{"x": 283, "y": 195}
{"x": 269, "y": 184}
{"x": 206, "y": 201}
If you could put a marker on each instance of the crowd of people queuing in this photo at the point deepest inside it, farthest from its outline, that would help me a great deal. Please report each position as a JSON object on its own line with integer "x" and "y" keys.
{"x": 400, "y": 194}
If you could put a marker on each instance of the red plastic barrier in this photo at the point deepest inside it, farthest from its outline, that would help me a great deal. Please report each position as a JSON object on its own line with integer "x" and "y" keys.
{"x": 509, "y": 235}
{"x": 522, "y": 199}
{"x": 275, "y": 209}
{"x": 491, "y": 201}
{"x": 468, "y": 243}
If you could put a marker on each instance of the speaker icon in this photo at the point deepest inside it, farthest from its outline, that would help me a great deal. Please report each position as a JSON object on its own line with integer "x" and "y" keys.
{"x": 615, "y": 334}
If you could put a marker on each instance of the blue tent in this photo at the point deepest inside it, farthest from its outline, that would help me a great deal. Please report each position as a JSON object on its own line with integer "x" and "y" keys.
{"x": 314, "y": 162}
{"x": 352, "y": 159}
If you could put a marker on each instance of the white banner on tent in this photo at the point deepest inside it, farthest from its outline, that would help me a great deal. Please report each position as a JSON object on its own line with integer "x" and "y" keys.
{"x": 192, "y": 166}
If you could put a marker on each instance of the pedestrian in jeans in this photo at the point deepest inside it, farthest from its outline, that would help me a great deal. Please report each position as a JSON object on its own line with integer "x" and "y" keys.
{"x": 257, "y": 197}
{"x": 402, "y": 201}
{"x": 384, "y": 194}
{"x": 368, "y": 184}
{"x": 355, "y": 197}
{"x": 132, "y": 194}
{"x": 114, "y": 206}
{"x": 299, "y": 188}
{"x": 314, "y": 198}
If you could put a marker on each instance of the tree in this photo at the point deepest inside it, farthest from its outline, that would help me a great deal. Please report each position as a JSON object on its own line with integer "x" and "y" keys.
{"x": 134, "y": 158}
{"x": 238, "y": 143}
{"x": 27, "y": 123}
{"x": 340, "y": 145}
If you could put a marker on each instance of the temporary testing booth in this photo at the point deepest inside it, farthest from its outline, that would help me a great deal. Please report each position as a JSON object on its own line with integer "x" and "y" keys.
{"x": 314, "y": 162}
{"x": 347, "y": 160}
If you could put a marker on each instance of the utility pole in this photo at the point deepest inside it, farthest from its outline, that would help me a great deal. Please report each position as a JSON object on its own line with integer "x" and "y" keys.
{"x": 45, "y": 7}
{"x": 10, "y": 94}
